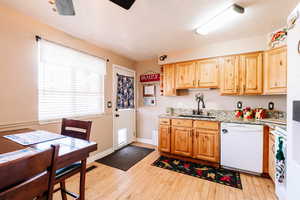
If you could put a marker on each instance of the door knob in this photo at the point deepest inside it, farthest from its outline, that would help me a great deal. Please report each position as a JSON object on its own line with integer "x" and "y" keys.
{"x": 117, "y": 115}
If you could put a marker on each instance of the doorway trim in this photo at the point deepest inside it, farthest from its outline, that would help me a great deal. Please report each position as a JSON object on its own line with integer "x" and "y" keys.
{"x": 114, "y": 100}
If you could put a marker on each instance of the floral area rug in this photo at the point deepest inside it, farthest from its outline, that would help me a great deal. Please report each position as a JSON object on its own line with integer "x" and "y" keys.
{"x": 217, "y": 175}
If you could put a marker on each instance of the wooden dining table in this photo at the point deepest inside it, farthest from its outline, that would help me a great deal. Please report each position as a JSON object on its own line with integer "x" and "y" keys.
{"x": 71, "y": 149}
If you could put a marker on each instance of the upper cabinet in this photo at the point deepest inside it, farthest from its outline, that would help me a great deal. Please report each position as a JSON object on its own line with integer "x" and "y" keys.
{"x": 169, "y": 80}
{"x": 207, "y": 73}
{"x": 242, "y": 75}
{"x": 245, "y": 74}
{"x": 251, "y": 68}
{"x": 275, "y": 71}
{"x": 229, "y": 75}
{"x": 185, "y": 75}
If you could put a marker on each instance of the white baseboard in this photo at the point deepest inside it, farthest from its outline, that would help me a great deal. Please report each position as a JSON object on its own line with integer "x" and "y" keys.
{"x": 99, "y": 155}
{"x": 144, "y": 140}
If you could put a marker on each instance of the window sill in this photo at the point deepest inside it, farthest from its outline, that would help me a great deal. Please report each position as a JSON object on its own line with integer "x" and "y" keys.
{"x": 84, "y": 117}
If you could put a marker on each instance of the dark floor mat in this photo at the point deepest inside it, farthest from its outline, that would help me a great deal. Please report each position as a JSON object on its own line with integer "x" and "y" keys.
{"x": 126, "y": 157}
{"x": 217, "y": 175}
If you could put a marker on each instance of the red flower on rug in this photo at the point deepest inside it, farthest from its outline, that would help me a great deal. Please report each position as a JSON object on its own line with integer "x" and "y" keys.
{"x": 226, "y": 178}
{"x": 186, "y": 166}
{"x": 199, "y": 172}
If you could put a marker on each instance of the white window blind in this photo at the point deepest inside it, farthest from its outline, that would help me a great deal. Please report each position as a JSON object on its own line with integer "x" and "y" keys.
{"x": 71, "y": 83}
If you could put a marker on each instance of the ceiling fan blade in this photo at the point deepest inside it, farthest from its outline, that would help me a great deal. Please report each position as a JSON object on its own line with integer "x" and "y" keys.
{"x": 65, "y": 7}
{"x": 126, "y": 4}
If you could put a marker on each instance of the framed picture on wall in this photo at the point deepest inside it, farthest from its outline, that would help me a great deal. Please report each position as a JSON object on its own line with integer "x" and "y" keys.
{"x": 149, "y": 90}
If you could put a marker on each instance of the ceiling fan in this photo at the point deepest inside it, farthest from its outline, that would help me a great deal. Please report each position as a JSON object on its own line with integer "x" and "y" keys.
{"x": 66, "y": 7}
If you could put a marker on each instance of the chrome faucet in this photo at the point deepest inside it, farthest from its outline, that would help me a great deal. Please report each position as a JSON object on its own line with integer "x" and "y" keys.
{"x": 200, "y": 99}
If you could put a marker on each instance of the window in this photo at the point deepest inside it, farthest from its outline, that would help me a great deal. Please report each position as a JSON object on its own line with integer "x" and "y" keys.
{"x": 71, "y": 83}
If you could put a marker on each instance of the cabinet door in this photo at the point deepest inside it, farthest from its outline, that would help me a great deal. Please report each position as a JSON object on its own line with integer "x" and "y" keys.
{"x": 185, "y": 75}
{"x": 164, "y": 138}
{"x": 182, "y": 141}
{"x": 252, "y": 73}
{"x": 229, "y": 74}
{"x": 206, "y": 145}
{"x": 276, "y": 71}
{"x": 169, "y": 80}
{"x": 207, "y": 73}
{"x": 272, "y": 157}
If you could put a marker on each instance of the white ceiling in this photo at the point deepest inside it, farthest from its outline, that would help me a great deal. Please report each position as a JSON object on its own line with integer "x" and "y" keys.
{"x": 151, "y": 27}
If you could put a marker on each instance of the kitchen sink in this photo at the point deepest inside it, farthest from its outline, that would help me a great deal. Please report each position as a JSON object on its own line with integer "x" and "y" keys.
{"x": 198, "y": 116}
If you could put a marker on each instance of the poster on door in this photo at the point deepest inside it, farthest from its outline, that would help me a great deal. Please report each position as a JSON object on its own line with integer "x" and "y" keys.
{"x": 125, "y": 92}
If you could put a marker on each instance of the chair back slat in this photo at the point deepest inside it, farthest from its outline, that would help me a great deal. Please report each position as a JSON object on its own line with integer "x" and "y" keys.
{"x": 30, "y": 176}
{"x": 76, "y": 128}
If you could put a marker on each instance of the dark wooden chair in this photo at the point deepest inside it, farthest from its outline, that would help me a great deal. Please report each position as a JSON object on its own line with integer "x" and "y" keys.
{"x": 81, "y": 130}
{"x": 30, "y": 177}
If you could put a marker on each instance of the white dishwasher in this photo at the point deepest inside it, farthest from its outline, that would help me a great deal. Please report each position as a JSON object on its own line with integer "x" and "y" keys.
{"x": 242, "y": 147}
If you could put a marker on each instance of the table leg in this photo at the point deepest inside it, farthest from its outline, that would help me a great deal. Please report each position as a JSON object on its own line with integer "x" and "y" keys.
{"x": 82, "y": 180}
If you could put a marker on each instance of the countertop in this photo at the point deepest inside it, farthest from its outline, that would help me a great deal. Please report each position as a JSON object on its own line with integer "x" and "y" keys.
{"x": 268, "y": 121}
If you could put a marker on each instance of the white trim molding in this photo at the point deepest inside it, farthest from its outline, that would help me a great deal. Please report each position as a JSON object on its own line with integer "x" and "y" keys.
{"x": 145, "y": 140}
{"x": 99, "y": 155}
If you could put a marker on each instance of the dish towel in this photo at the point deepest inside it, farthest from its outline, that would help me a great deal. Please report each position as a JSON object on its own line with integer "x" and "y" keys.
{"x": 280, "y": 162}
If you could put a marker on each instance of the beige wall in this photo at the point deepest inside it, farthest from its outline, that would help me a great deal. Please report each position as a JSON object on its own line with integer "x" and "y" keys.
{"x": 18, "y": 74}
{"x": 245, "y": 45}
{"x": 147, "y": 117}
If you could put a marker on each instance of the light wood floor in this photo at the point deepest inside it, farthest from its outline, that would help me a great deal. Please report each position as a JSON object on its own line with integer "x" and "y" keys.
{"x": 143, "y": 182}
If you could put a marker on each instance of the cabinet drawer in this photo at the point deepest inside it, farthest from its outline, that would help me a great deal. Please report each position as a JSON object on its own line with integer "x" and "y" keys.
{"x": 164, "y": 121}
{"x": 182, "y": 123}
{"x": 206, "y": 125}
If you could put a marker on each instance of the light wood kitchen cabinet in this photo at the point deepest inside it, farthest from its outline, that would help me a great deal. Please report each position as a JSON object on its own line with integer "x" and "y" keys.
{"x": 242, "y": 75}
{"x": 194, "y": 139}
{"x": 164, "y": 138}
{"x": 272, "y": 156}
{"x": 169, "y": 80}
{"x": 251, "y": 73}
{"x": 275, "y": 71}
{"x": 185, "y": 75}
{"x": 206, "y": 141}
{"x": 207, "y": 73}
{"x": 229, "y": 75}
{"x": 182, "y": 141}
{"x": 206, "y": 145}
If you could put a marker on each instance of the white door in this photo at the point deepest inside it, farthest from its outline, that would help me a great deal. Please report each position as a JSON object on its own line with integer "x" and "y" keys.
{"x": 124, "y": 108}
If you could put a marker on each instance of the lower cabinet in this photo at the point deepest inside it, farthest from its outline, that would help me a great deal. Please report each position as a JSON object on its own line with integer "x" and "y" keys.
{"x": 193, "y": 139}
{"x": 272, "y": 156}
{"x": 206, "y": 145}
{"x": 182, "y": 141}
{"x": 164, "y": 138}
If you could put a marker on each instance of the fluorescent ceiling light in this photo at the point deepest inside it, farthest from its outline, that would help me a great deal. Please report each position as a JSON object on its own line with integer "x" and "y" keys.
{"x": 221, "y": 19}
